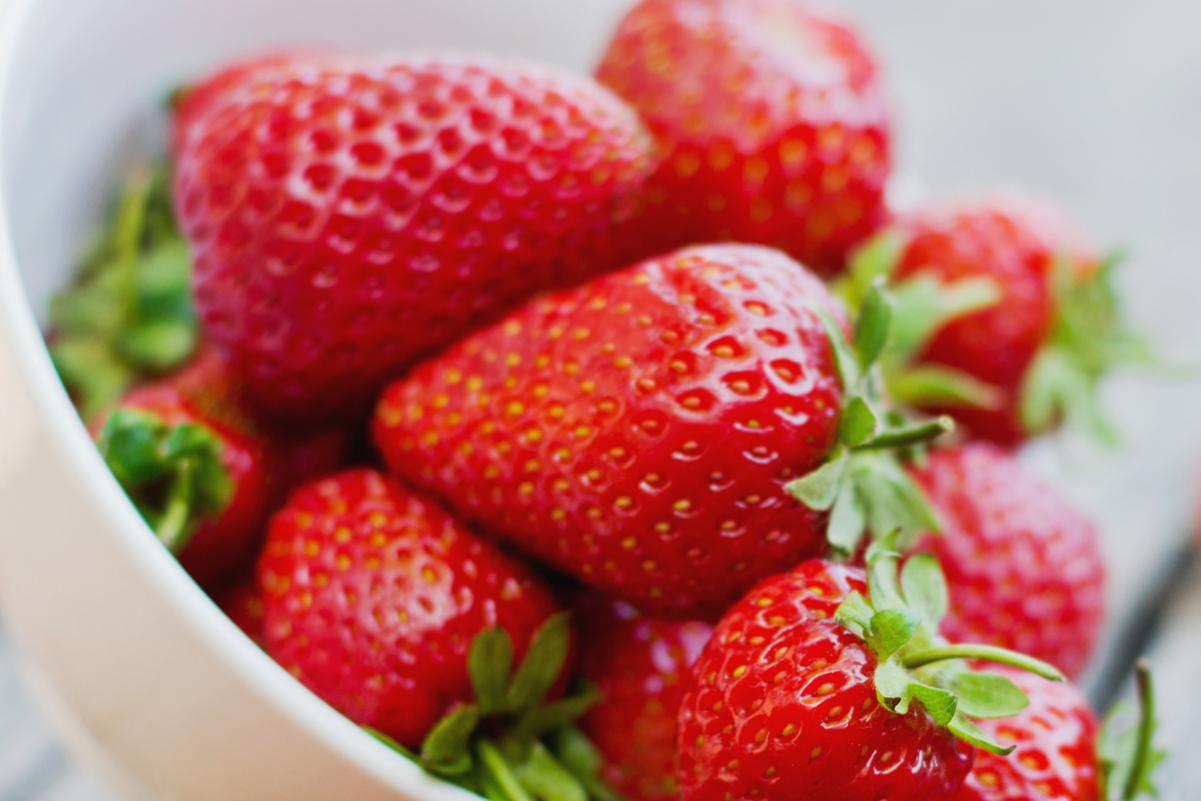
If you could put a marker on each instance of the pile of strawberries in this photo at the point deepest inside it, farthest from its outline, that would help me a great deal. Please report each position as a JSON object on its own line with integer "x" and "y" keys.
{"x": 587, "y": 439}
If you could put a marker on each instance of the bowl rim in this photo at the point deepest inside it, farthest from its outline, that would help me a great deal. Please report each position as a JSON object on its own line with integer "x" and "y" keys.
{"x": 68, "y": 433}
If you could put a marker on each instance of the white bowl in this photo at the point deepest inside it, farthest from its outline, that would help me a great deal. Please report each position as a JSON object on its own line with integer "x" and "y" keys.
{"x": 148, "y": 680}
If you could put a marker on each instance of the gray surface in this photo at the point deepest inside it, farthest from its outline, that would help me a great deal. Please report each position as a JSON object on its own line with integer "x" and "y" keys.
{"x": 1098, "y": 104}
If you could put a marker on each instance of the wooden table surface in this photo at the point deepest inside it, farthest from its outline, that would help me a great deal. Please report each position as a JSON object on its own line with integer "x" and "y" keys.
{"x": 1098, "y": 104}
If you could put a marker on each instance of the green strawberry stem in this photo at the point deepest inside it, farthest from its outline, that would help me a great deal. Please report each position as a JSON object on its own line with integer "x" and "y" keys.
{"x": 984, "y": 653}
{"x": 1146, "y": 731}
{"x": 497, "y": 776}
{"x": 173, "y": 524}
{"x": 173, "y": 474}
{"x": 916, "y": 434}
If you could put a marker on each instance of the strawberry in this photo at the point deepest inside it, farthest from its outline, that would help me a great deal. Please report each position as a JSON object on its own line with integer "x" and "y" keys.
{"x": 824, "y": 683}
{"x": 242, "y": 603}
{"x": 373, "y": 597}
{"x": 1025, "y": 568}
{"x": 203, "y": 473}
{"x": 772, "y": 122}
{"x": 349, "y": 214}
{"x": 639, "y": 666}
{"x": 1009, "y": 318}
{"x": 638, "y": 432}
{"x": 1060, "y": 755}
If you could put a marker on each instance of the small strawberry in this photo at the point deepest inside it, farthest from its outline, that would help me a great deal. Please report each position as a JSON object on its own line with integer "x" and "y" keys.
{"x": 639, "y": 432}
{"x": 1025, "y": 568}
{"x": 201, "y": 471}
{"x": 827, "y": 684}
{"x": 1008, "y": 321}
{"x": 771, "y": 118}
{"x": 374, "y": 596}
{"x": 639, "y": 665}
{"x": 349, "y": 214}
{"x": 1059, "y": 755}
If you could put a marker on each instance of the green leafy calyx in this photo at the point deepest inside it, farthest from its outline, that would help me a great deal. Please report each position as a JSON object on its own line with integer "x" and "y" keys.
{"x": 173, "y": 473}
{"x": 862, "y": 484}
{"x": 1126, "y": 746}
{"x": 129, "y": 313}
{"x": 899, "y": 621}
{"x": 538, "y": 753}
{"x": 1087, "y": 341}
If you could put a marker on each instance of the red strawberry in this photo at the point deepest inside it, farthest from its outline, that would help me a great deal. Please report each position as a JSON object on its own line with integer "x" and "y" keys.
{"x": 772, "y": 121}
{"x": 1024, "y": 567}
{"x": 1059, "y": 753}
{"x": 203, "y": 473}
{"x": 375, "y": 596}
{"x": 1034, "y": 328}
{"x": 242, "y": 602}
{"x": 1055, "y": 756}
{"x": 638, "y": 432}
{"x": 808, "y": 690}
{"x": 639, "y": 665}
{"x": 348, "y": 214}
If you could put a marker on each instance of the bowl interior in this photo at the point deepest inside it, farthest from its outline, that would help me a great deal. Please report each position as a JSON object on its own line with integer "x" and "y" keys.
{"x": 81, "y": 91}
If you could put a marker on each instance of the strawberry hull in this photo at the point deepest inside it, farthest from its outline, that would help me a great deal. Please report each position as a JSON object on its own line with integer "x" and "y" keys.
{"x": 637, "y": 433}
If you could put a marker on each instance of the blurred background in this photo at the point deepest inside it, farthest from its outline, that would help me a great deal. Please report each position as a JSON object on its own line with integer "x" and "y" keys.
{"x": 1097, "y": 104}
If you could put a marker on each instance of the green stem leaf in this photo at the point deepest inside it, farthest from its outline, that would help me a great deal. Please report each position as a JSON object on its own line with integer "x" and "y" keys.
{"x": 986, "y": 653}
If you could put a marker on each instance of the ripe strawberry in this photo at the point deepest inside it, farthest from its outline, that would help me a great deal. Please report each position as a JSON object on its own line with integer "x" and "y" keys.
{"x": 348, "y": 215}
{"x": 639, "y": 665}
{"x": 1011, "y": 319}
{"x": 242, "y": 603}
{"x": 1059, "y": 753}
{"x": 374, "y": 597}
{"x": 638, "y": 432}
{"x": 1025, "y": 568}
{"x": 201, "y": 471}
{"x": 807, "y": 690}
{"x": 771, "y": 118}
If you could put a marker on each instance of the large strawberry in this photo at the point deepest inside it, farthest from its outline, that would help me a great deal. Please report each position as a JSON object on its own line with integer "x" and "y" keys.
{"x": 772, "y": 121}
{"x": 639, "y": 432}
{"x": 1024, "y": 567}
{"x": 824, "y": 684}
{"x": 348, "y": 214}
{"x": 1007, "y": 319}
{"x": 639, "y": 665}
{"x": 1059, "y": 754}
{"x": 204, "y": 473}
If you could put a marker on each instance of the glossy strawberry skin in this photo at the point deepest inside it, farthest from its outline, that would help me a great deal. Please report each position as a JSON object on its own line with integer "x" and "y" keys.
{"x": 781, "y": 705}
{"x": 1024, "y": 567}
{"x": 636, "y": 433}
{"x": 374, "y": 595}
{"x": 1014, "y": 242}
{"x": 1055, "y": 757}
{"x": 348, "y": 215}
{"x": 639, "y": 665}
{"x": 772, "y": 122}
